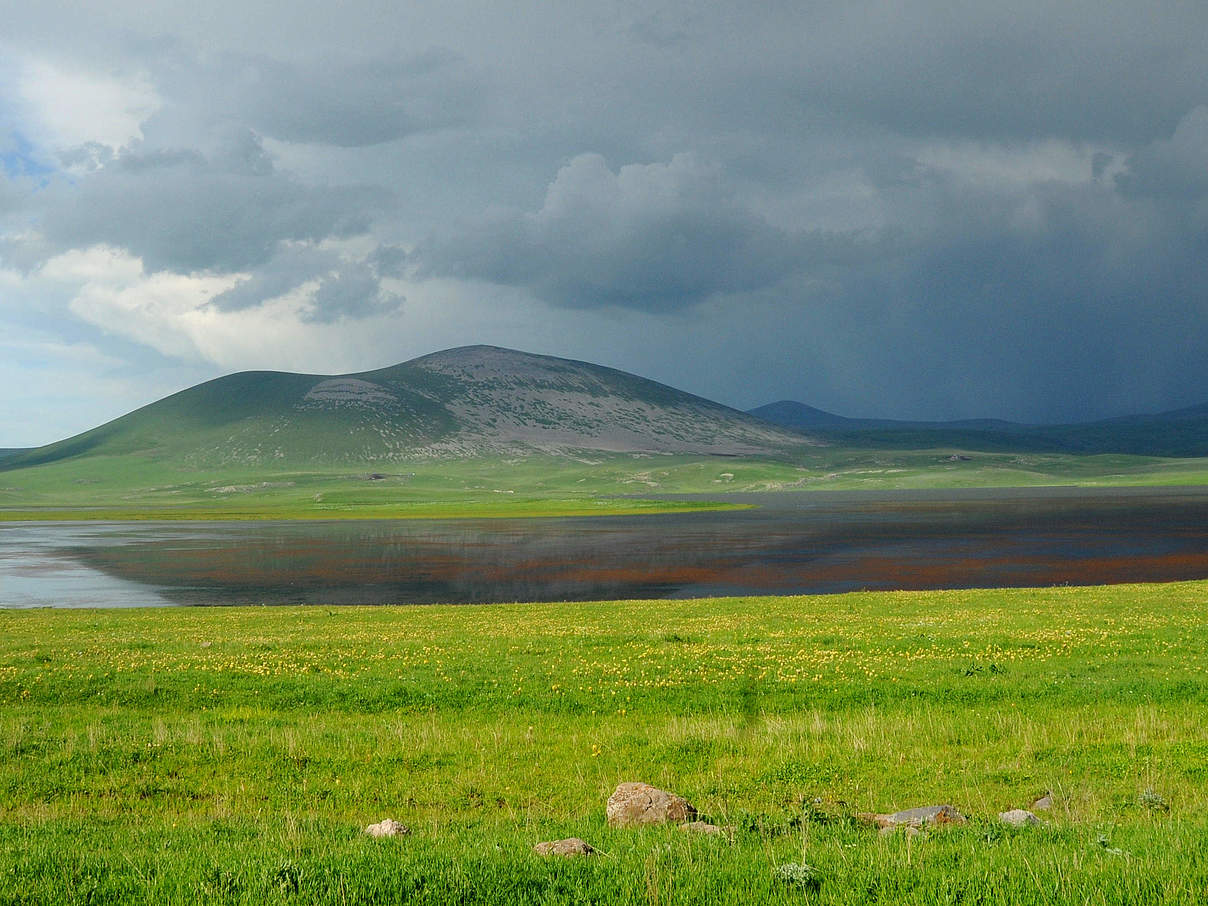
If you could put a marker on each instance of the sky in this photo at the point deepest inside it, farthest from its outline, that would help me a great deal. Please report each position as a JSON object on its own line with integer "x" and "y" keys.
{"x": 899, "y": 209}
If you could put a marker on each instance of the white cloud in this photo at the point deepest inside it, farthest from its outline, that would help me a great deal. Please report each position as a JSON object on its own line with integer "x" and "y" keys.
{"x": 161, "y": 310}
{"x": 998, "y": 165}
{"x": 70, "y": 107}
{"x": 171, "y": 314}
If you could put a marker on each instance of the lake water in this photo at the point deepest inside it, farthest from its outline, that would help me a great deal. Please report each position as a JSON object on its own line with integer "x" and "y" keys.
{"x": 792, "y": 543}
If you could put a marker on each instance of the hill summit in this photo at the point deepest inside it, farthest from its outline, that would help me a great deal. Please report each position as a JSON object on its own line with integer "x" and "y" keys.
{"x": 464, "y": 402}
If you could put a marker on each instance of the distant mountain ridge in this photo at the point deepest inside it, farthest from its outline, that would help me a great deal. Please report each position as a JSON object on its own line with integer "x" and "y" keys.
{"x": 464, "y": 402}
{"x": 791, "y": 413}
{"x": 1179, "y": 432}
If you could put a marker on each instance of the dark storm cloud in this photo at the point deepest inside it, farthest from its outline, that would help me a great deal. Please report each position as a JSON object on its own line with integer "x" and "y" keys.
{"x": 1049, "y": 303}
{"x": 651, "y": 236}
{"x": 222, "y": 209}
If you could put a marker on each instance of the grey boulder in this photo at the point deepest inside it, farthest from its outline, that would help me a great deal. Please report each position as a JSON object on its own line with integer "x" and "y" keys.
{"x": 571, "y": 846}
{"x": 924, "y": 815}
{"x": 1018, "y": 817}
{"x": 638, "y": 804}
{"x": 387, "y": 828}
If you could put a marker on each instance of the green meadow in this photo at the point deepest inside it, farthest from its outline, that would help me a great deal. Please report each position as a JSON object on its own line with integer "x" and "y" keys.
{"x": 134, "y": 486}
{"x": 235, "y": 755}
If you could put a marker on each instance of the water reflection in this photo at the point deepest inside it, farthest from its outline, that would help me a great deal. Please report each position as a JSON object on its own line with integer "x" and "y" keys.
{"x": 791, "y": 544}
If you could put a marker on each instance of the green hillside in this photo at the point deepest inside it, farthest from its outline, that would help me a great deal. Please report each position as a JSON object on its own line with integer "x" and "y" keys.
{"x": 482, "y": 431}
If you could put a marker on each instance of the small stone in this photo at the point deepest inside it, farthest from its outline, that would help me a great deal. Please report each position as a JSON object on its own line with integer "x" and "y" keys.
{"x": 388, "y": 828}
{"x": 704, "y": 827}
{"x": 1018, "y": 817}
{"x": 908, "y": 829}
{"x": 638, "y": 804}
{"x": 928, "y": 814}
{"x": 914, "y": 817}
{"x": 571, "y": 846}
{"x": 1044, "y": 803}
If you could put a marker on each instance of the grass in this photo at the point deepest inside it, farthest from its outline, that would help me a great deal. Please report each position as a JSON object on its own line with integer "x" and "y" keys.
{"x": 137, "y": 487}
{"x": 234, "y": 755}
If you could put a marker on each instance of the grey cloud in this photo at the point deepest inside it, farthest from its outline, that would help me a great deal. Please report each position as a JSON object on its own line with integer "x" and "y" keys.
{"x": 188, "y": 210}
{"x": 655, "y": 237}
{"x": 10, "y": 196}
{"x": 1174, "y": 168}
{"x": 1113, "y": 71}
{"x": 345, "y": 102}
{"x": 347, "y": 290}
{"x": 350, "y": 293}
{"x": 88, "y": 157}
{"x": 289, "y": 268}
{"x": 389, "y": 260}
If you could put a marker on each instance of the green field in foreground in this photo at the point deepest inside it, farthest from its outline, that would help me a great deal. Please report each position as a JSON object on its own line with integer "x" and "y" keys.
{"x": 234, "y": 755}
{"x": 137, "y": 487}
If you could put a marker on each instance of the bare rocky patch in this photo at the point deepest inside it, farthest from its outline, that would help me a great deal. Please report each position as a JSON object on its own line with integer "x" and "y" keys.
{"x": 346, "y": 391}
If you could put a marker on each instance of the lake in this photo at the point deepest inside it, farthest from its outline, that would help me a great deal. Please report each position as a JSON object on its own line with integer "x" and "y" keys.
{"x": 791, "y": 543}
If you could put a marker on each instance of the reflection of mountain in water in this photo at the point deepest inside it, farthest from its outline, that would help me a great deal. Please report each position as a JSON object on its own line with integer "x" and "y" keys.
{"x": 807, "y": 543}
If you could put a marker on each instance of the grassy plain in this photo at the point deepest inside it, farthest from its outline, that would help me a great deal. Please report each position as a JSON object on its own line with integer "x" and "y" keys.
{"x": 234, "y": 755}
{"x": 133, "y": 487}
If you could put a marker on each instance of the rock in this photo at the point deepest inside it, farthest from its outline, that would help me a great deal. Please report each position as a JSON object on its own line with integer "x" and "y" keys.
{"x": 704, "y": 827}
{"x": 1018, "y": 817}
{"x": 571, "y": 846}
{"x": 637, "y": 804}
{"x": 914, "y": 817}
{"x": 388, "y": 828}
{"x": 928, "y": 814}
{"x": 1044, "y": 803}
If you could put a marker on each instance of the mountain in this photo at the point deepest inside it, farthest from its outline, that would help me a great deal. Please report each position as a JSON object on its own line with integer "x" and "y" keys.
{"x": 792, "y": 414}
{"x": 470, "y": 401}
{"x": 1180, "y": 432}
